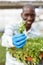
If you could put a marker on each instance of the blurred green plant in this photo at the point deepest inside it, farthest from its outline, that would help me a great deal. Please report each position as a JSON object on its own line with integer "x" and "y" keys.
{"x": 30, "y": 51}
{"x": 1, "y": 34}
{"x": 2, "y": 53}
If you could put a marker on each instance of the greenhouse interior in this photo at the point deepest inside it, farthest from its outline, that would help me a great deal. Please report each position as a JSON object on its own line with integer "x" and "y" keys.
{"x": 31, "y": 53}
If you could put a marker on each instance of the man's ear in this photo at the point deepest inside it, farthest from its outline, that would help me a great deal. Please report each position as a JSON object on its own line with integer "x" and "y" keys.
{"x": 22, "y": 15}
{"x": 35, "y": 16}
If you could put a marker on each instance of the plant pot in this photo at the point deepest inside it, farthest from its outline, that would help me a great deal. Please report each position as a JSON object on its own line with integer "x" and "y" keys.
{"x": 29, "y": 59}
{"x": 41, "y": 55}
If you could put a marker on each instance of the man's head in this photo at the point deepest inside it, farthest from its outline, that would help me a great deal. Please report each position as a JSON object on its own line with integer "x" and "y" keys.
{"x": 28, "y": 15}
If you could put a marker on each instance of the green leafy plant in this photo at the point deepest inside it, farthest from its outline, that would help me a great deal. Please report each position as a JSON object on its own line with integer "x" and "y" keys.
{"x": 30, "y": 52}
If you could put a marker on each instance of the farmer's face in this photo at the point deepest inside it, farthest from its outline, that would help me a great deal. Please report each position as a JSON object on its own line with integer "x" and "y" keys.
{"x": 28, "y": 15}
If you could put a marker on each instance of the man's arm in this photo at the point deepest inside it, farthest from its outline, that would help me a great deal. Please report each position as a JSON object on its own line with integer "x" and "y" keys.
{"x": 9, "y": 40}
{"x": 7, "y": 36}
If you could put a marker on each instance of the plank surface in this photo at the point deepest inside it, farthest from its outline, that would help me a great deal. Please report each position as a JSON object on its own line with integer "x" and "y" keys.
{"x": 19, "y": 4}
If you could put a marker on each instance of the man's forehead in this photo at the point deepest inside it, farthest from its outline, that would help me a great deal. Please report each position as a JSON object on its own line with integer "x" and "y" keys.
{"x": 28, "y": 10}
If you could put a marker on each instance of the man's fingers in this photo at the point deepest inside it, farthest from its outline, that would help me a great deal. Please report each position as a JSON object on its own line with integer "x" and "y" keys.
{"x": 21, "y": 42}
{"x": 20, "y": 46}
{"x": 20, "y": 38}
{"x": 18, "y": 35}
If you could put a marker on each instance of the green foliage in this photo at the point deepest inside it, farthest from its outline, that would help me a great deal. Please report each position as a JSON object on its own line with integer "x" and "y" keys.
{"x": 2, "y": 54}
{"x": 32, "y": 48}
{"x": 21, "y": 27}
{"x": 1, "y": 34}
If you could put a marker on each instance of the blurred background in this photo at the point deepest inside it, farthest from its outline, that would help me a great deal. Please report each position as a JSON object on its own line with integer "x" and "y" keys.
{"x": 10, "y": 13}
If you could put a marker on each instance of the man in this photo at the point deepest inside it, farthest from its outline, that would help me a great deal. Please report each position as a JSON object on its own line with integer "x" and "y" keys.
{"x": 12, "y": 38}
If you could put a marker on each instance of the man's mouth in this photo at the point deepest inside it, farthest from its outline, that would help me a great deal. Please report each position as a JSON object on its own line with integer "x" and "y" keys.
{"x": 28, "y": 22}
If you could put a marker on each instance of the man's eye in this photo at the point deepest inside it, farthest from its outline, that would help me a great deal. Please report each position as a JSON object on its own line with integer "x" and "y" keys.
{"x": 32, "y": 15}
{"x": 29, "y": 15}
{"x": 26, "y": 15}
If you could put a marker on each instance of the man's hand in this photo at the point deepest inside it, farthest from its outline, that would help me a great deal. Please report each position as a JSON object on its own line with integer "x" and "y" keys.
{"x": 19, "y": 40}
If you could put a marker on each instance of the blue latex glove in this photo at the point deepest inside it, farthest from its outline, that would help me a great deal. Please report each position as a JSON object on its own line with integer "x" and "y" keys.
{"x": 19, "y": 40}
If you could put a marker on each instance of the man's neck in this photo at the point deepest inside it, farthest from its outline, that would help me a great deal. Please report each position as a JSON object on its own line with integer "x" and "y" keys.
{"x": 27, "y": 28}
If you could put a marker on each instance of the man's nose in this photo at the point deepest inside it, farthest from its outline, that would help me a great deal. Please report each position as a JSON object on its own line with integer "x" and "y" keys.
{"x": 29, "y": 18}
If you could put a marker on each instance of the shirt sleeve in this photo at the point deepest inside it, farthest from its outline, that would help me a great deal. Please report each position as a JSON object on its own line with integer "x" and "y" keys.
{"x": 7, "y": 36}
{"x": 33, "y": 32}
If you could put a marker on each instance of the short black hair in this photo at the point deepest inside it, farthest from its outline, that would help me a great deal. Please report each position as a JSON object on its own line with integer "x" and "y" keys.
{"x": 29, "y": 6}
